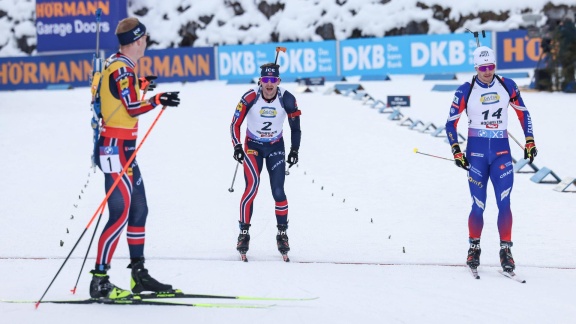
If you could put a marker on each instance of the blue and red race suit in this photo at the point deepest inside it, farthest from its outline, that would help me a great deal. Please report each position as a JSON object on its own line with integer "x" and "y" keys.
{"x": 488, "y": 149}
{"x": 122, "y": 103}
{"x": 264, "y": 141}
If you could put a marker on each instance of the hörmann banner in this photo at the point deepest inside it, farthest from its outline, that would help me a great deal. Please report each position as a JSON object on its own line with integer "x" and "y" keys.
{"x": 170, "y": 65}
{"x": 188, "y": 64}
{"x": 409, "y": 54}
{"x": 515, "y": 50}
{"x": 71, "y": 25}
{"x": 312, "y": 59}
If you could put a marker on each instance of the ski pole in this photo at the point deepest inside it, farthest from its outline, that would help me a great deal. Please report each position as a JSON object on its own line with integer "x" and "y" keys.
{"x": 88, "y": 250}
{"x": 438, "y": 157}
{"x": 103, "y": 203}
{"x": 231, "y": 189}
{"x": 278, "y": 50}
{"x": 515, "y": 140}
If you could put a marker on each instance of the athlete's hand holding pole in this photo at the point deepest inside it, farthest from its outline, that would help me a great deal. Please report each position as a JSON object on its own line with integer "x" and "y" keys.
{"x": 239, "y": 157}
{"x": 459, "y": 158}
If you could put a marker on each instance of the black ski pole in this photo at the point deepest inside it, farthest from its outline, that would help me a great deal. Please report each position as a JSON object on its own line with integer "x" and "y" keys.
{"x": 73, "y": 290}
{"x": 278, "y": 50}
{"x": 231, "y": 189}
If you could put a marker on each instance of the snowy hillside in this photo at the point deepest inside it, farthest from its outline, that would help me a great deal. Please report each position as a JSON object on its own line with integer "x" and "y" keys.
{"x": 175, "y": 23}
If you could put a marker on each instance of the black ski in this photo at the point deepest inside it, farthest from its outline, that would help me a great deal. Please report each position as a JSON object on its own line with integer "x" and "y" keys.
{"x": 179, "y": 294}
{"x": 135, "y": 301}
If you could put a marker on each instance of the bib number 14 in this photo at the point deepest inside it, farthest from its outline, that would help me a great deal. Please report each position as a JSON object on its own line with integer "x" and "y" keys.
{"x": 110, "y": 159}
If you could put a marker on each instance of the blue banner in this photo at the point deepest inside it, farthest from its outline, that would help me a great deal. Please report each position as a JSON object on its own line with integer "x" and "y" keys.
{"x": 516, "y": 51}
{"x": 409, "y": 54}
{"x": 37, "y": 72}
{"x": 300, "y": 60}
{"x": 71, "y": 25}
{"x": 171, "y": 65}
{"x": 178, "y": 64}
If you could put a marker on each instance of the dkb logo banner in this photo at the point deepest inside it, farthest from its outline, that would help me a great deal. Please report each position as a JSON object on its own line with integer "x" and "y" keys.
{"x": 409, "y": 54}
{"x": 311, "y": 59}
{"x": 71, "y": 25}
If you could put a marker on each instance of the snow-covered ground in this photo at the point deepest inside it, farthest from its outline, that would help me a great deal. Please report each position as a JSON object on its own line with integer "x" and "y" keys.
{"x": 377, "y": 232}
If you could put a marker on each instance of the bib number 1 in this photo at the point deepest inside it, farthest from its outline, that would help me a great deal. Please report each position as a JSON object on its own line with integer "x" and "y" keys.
{"x": 110, "y": 159}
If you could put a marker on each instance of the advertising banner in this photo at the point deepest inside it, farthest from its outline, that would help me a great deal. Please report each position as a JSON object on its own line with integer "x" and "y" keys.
{"x": 70, "y": 25}
{"x": 178, "y": 64}
{"x": 515, "y": 50}
{"x": 312, "y": 59}
{"x": 419, "y": 54}
{"x": 171, "y": 65}
{"x": 37, "y": 72}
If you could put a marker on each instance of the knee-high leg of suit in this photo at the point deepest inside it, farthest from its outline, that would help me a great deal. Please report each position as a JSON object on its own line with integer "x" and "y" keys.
{"x": 136, "y": 232}
{"x": 252, "y": 168}
{"x": 276, "y": 169}
{"x": 477, "y": 182}
{"x": 502, "y": 177}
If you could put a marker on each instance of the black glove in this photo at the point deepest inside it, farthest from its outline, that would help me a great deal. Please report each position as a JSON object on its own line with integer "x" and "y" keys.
{"x": 460, "y": 158}
{"x": 166, "y": 99}
{"x": 147, "y": 83}
{"x": 238, "y": 153}
{"x": 292, "y": 158}
{"x": 530, "y": 150}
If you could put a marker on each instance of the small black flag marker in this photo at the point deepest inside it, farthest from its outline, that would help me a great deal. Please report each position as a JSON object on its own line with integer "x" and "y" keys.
{"x": 322, "y": 188}
{"x": 344, "y": 200}
{"x": 389, "y": 236}
{"x": 67, "y": 231}
{"x": 71, "y": 216}
{"x": 61, "y": 243}
{"x": 371, "y": 221}
{"x": 403, "y": 250}
{"x": 356, "y": 209}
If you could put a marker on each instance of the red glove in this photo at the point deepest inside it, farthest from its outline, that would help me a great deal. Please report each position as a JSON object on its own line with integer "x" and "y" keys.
{"x": 530, "y": 150}
{"x": 460, "y": 158}
{"x": 147, "y": 83}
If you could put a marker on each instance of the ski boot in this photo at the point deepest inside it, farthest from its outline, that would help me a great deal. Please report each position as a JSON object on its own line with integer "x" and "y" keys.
{"x": 506, "y": 259}
{"x": 101, "y": 287}
{"x": 142, "y": 281}
{"x": 282, "y": 241}
{"x": 473, "y": 260}
{"x": 243, "y": 240}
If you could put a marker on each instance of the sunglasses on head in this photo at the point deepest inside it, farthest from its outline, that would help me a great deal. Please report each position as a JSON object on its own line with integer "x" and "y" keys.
{"x": 489, "y": 67}
{"x": 269, "y": 79}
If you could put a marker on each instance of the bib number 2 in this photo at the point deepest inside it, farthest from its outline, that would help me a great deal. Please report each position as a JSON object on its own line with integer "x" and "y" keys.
{"x": 110, "y": 159}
